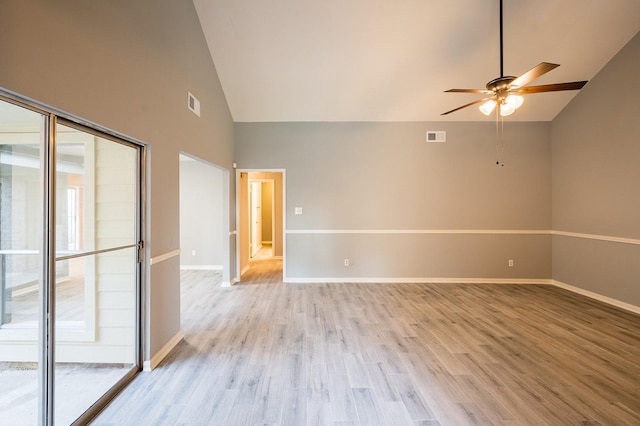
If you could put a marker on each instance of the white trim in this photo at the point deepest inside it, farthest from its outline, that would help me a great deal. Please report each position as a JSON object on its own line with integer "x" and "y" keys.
{"x": 163, "y": 257}
{"x": 468, "y": 232}
{"x": 162, "y": 353}
{"x": 596, "y": 296}
{"x": 202, "y": 267}
{"x": 598, "y": 237}
{"x": 420, "y": 231}
{"x": 423, "y": 280}
{"x": 245, "y": 269}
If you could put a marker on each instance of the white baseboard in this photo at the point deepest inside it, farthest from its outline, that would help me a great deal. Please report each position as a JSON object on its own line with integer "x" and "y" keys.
{"x": 162, "y": 353}
{"x": 608, "y": 300}
{"x": 245, "y": 269}
{"x": 201, "y": 267}
{"x": 419, "y": 280}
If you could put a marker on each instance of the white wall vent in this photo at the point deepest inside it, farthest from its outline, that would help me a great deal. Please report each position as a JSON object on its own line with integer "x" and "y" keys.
{"x": 439, "y": 136}
{"x": 193, "y": 104}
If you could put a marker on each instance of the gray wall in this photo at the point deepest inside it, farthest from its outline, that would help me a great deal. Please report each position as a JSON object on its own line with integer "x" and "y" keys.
{"x": 201, "y": 216}
{"x": 128, "y": 66}
{"x": 359, "y": 177}
{"x": 596, "y": 182}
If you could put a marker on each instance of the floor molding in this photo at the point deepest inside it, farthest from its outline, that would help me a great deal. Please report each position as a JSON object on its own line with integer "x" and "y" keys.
{"x": 374, "y": 280}
{"x": 162, "y": 353}
{"x": 423, "y": 231}
{"x": 608, "y": 300}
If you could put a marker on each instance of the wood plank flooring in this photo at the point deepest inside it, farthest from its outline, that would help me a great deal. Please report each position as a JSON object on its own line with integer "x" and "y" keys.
{"x": 268, "y": 353}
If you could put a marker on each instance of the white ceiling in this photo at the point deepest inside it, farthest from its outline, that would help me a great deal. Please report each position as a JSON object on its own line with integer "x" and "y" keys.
{"x": 391, "y": 60}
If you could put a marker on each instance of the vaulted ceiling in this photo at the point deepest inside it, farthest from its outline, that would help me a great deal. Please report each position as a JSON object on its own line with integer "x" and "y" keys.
{"x": 391, "y": 60}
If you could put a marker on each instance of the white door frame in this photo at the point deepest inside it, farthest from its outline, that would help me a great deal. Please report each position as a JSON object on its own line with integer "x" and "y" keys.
{"x": 284, "y": 218}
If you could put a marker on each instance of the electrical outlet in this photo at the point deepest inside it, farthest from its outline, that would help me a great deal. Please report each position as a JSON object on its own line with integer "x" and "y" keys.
{"x": 347, "y": 262}
{"x": 193, "y": 252}
{"x": 510, "y": 262}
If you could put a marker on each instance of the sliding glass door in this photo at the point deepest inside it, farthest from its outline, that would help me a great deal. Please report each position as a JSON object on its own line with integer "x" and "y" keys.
{"x": 70, "y": 243}
{"x": 96, "y": 199}
{"x": 23, "y": 138}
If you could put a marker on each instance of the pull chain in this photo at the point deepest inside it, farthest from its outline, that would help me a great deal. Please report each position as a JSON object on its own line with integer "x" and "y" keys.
{"x": 499, "y": 138}
{"x": 502, "y": 139}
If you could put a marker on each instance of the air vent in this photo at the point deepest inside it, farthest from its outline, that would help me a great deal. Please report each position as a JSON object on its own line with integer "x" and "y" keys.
{"x": 439, "y": 136}
{"x": 193, "y": 104}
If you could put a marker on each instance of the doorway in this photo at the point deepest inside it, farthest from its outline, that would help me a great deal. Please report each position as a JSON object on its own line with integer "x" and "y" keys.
{"x": 260, "y": 218}
{"x": 204, "y": 217}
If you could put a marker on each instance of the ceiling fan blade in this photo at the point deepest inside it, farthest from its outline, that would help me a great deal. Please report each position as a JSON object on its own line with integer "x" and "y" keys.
{"x": 483, "y": 91}
{"x": 479, "y": 101}
{"x": 535, "y": 72}
{"x": 574, "y": 85}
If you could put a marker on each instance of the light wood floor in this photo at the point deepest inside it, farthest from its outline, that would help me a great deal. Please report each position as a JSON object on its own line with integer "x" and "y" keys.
{"x": 265, "y": 253}
{"x": 267, "y": 353}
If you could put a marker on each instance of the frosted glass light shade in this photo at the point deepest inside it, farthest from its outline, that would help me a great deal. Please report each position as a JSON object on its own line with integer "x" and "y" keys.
{"x": 506, "y": 109}
{"x": 515, "y": 101}
{"x": 487, "y": 107}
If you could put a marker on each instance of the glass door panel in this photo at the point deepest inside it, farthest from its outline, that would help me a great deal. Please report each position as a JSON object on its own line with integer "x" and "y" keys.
{"x": 22, "y": 138}
{"x": 96, "y": 194}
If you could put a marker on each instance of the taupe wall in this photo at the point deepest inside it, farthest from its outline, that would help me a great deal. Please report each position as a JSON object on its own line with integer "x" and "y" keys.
{"x": 128, "y": 66}
{"x": 353, "y": 178}
{"x": 596, "y": 182}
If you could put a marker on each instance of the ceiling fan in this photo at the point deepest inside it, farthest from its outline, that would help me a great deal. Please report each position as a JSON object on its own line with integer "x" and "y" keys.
{"x": 504, "y": 91}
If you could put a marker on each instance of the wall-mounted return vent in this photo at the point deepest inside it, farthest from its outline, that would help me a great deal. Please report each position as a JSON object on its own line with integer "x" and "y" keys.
{"x": 193, "y": 104}
{"x": 439, "y": 136}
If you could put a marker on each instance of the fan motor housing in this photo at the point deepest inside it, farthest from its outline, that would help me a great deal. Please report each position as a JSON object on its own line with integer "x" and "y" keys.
{"x": 500, "y": 83}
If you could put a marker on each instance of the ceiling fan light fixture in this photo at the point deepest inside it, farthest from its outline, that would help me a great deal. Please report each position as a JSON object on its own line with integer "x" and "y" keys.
{"x": 506, "y": 109}
{"x": 504, "y": 88}
{"x": 515, "y": 101}
{"x": 487, "y": 107}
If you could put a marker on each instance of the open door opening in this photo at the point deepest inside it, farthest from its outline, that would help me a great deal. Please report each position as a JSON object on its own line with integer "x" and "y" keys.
{"x": 204, "y": 218}
{"x": 260, "y": 221}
